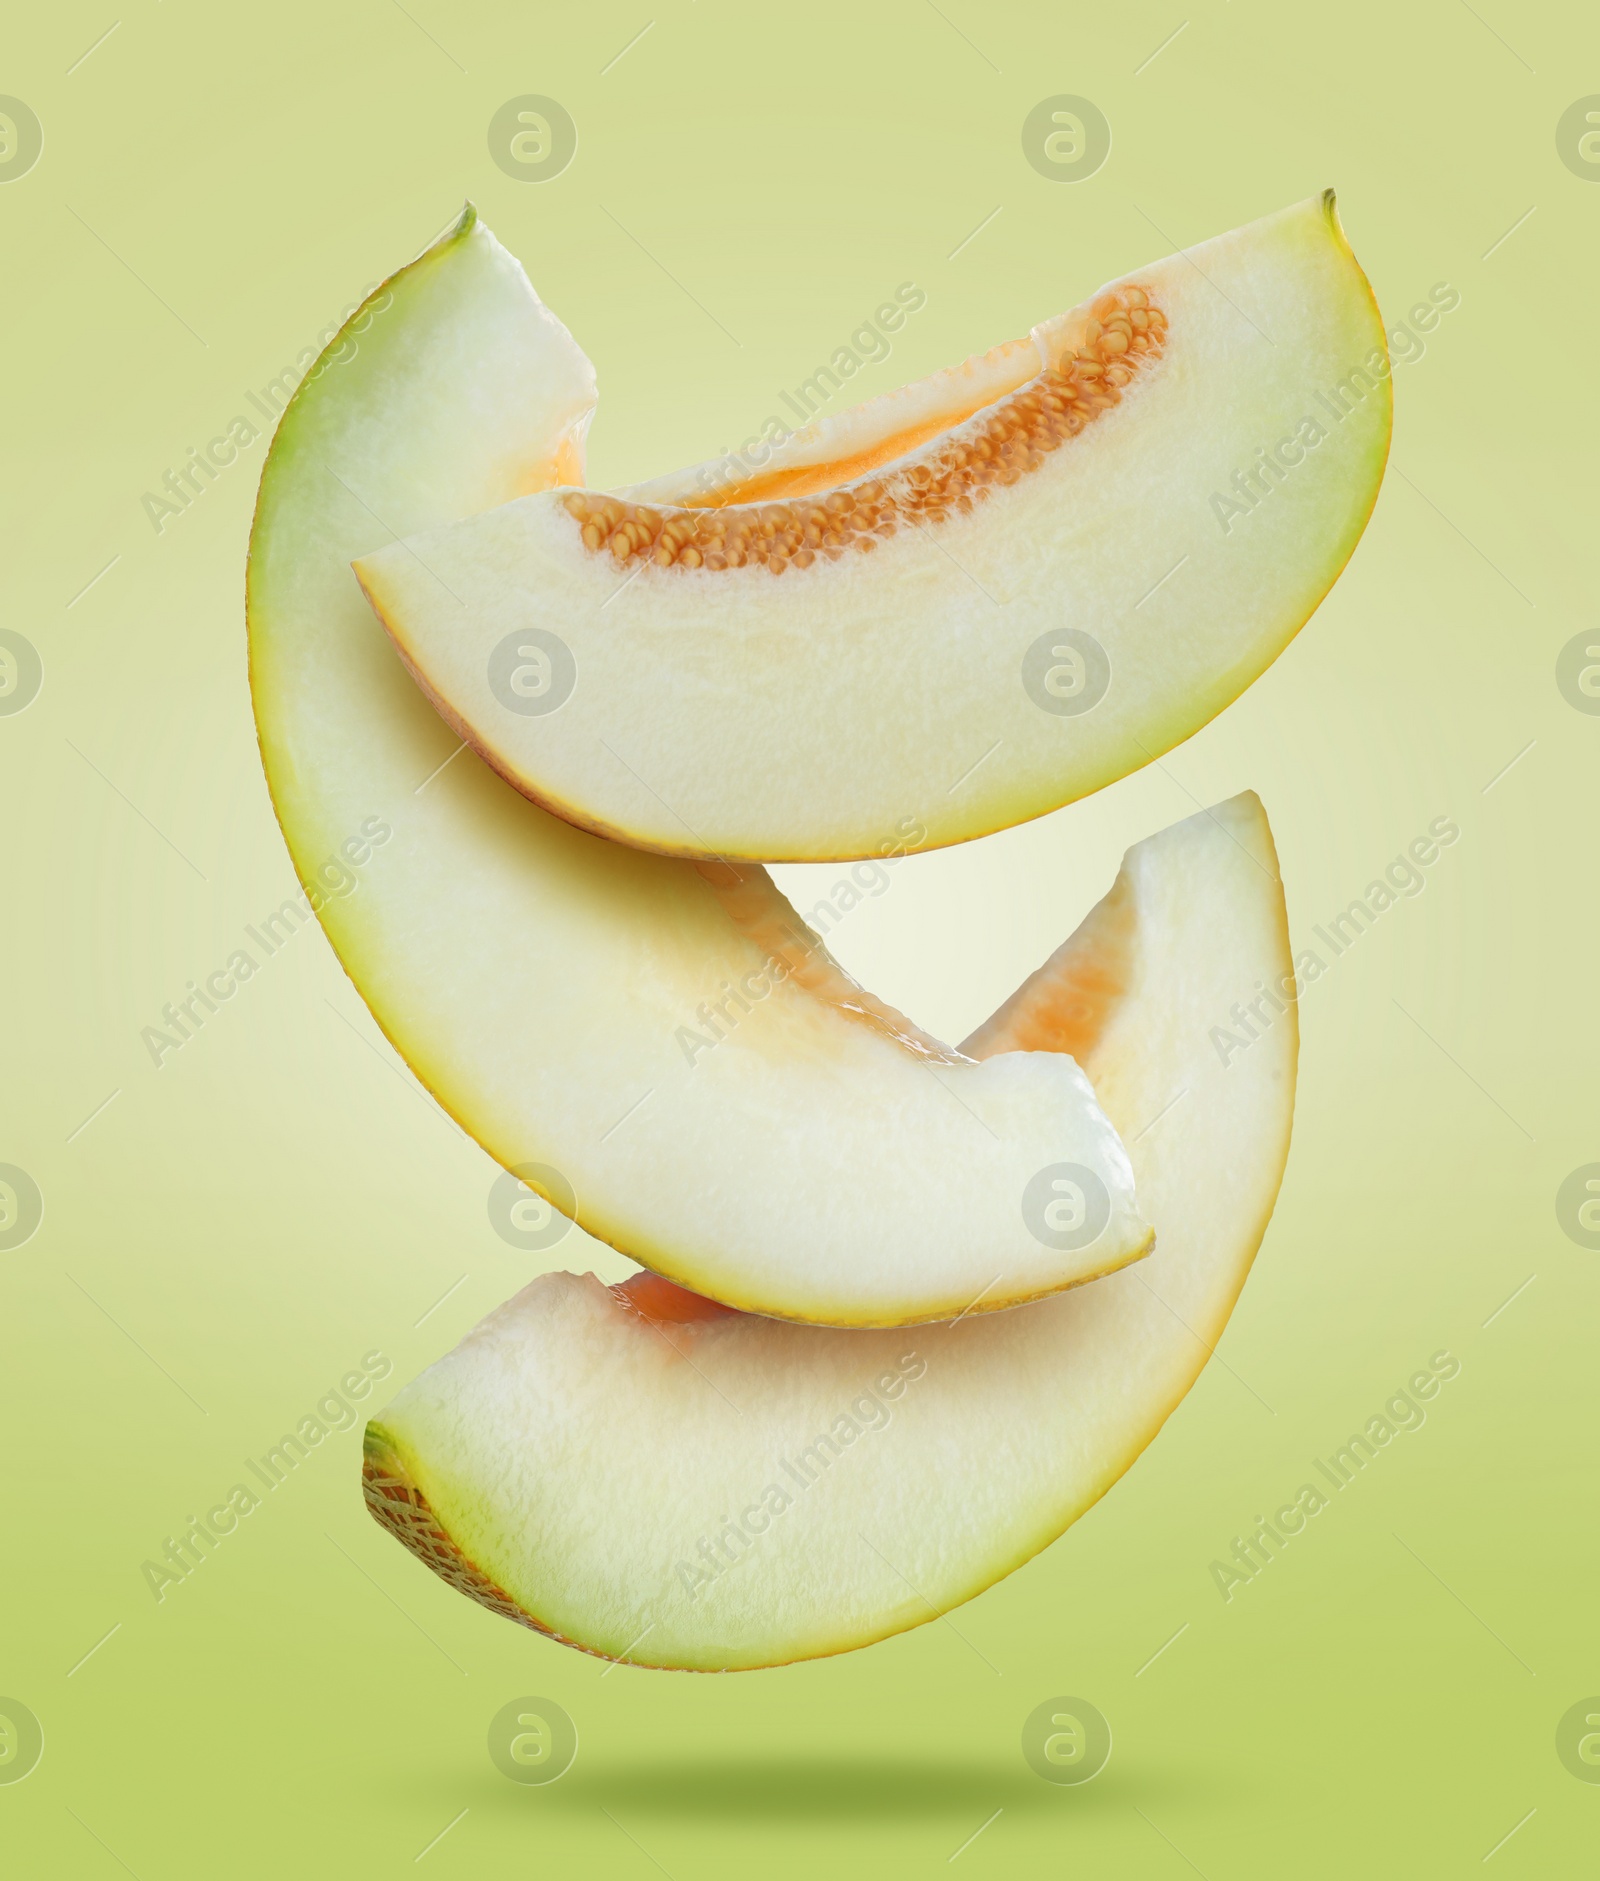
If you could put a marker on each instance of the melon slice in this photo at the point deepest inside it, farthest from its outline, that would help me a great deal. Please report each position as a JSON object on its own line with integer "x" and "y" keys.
{"x": 650, "y": 1477}
{"x": 961, "y": 605}
{"x": 696, "y": 1080}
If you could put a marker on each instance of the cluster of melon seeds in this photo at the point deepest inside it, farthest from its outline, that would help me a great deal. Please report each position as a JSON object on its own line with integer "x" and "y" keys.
{"x": 997, "y": 446}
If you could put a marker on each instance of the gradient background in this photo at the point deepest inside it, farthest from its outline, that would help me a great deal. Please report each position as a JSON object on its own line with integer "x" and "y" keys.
{"x": 234, "y": 1230}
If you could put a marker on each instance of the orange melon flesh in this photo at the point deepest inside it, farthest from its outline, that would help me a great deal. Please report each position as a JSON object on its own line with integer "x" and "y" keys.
{"x": 719, "y": 1100}
{"x": 930, "y": 612}
{"x": 835, "y": 449}
{"x": 649, "y": 1478}
{"x": 664, "y": 1304}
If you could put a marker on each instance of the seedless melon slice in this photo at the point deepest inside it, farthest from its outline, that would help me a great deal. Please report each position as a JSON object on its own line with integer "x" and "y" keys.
{"x": 962, "y": 604}
{"x": 669, "y": 1048}
{"x": 646, "y": 1476}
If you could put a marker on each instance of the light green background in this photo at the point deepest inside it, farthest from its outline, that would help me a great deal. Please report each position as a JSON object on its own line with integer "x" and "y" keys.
{"x": 235, "y": 1229}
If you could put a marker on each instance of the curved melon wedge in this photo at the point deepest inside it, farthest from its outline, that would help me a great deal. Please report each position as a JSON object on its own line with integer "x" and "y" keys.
{"x": 695, "y": 1080}
{"x": 651, "y": 1478}
{"x": 1082, "y": 547}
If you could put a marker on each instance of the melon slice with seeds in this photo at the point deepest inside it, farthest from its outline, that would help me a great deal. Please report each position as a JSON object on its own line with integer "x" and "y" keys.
{"x": 653, "y": 1478}
{"x": 962, "y": 604}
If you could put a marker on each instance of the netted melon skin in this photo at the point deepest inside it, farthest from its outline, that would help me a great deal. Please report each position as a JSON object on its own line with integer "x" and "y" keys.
{"x": 400, "y": 1508}
{"x": 396, "y": 1504}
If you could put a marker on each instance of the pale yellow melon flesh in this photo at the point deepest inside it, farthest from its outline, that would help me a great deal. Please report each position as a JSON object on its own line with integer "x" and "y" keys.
{"x": 958, "y": 606}
{"x": 716, "y": 1098}
{"x": 650, "y": 1478}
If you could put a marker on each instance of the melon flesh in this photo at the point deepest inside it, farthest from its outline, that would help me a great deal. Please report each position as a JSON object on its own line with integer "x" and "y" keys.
{"x": 869, "y": 632}
{"x": 650, "y": 1477}
{"x": 717, "y": 1098}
